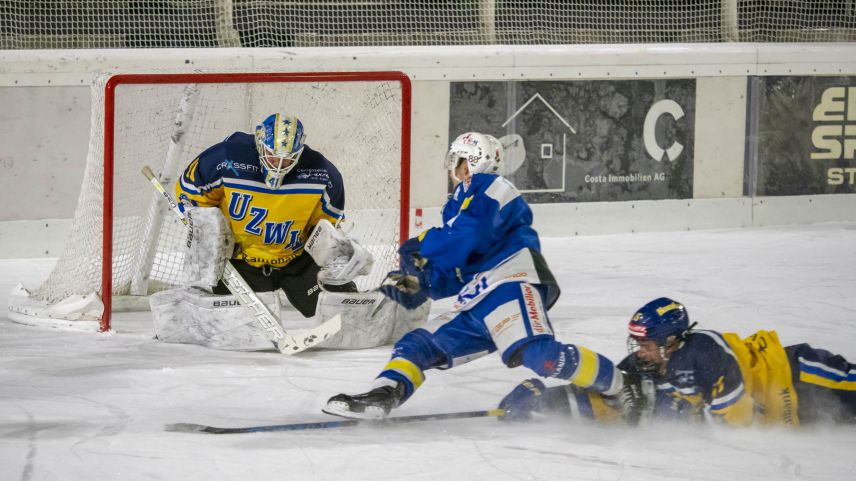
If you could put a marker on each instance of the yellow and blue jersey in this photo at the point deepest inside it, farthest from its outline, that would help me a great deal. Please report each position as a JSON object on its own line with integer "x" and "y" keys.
{"x": 737, "y": 381}
{"x": 756, "y": 380}
{"x": 270, "y": 225}
{"x": 706, "y": 373}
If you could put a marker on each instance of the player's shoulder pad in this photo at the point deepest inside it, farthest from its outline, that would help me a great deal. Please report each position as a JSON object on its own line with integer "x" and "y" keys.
{"x": 240, "y": 138}
{"x": 238, "y": 147}
{"x": 238, "y": 142}
{"x": 497, "y": 188}
{"x": 313, "y": 160}
{"x": 705, "y": 343}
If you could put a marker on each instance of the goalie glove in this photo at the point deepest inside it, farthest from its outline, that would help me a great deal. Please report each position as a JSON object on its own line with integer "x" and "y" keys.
{"x": 345, "y": 268}
{"x": 340, "y": 258}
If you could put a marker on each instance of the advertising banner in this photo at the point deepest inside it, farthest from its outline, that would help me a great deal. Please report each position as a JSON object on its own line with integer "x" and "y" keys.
{"x": 807, "y": 136}
{"x": 591, "y": 140}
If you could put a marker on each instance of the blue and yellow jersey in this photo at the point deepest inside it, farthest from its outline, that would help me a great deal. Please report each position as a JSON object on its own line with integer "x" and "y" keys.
{"x": 741, "y": 381}
{"x": 738, "y": 381}
{"x": 484, "y": 221}
{"x": 706, "y": 373}
{"x": 270, "y": 226}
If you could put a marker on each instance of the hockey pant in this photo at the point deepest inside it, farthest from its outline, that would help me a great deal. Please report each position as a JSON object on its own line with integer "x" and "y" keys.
{"x": 511, "y": 320}
{"x": 298, "y": 279}
{"x": 825, "y": 384}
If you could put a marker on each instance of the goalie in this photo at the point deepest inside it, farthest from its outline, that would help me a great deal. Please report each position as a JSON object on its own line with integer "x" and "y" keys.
{"x": 268, "y": 203}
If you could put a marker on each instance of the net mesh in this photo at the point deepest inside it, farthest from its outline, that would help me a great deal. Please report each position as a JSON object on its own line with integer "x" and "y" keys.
{"x": 356, "y": 124}
{"x": 63, "y": 24}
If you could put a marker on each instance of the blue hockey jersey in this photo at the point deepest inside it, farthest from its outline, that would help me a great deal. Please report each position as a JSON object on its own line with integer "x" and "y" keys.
{"x": 485, "y": 221}
{"x": 270, "y": 226}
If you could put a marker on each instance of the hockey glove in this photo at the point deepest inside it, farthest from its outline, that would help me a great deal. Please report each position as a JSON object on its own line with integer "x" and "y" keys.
{"x": 636, "y": 398}
{"x": 526, "y": 398}
{"x": 340, "y": 258}
{"x": 412, "y": 264}
{"x": 410, "y": 261}
{"x": 404, "y": 289}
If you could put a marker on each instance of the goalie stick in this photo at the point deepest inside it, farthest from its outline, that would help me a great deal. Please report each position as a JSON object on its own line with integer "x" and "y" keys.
{"x": 201, "y": 428}
{"x": 285, "y": 343}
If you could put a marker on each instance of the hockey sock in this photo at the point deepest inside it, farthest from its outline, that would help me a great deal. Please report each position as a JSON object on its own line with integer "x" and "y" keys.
{"x": 577, "y": 364}
{"x": 403, "y": 371}
{"x": 411, "y": 356}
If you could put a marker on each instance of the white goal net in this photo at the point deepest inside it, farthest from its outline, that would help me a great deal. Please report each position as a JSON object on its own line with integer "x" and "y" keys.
{"x": 358, "y": 121}
{"x": 315, "y": 23}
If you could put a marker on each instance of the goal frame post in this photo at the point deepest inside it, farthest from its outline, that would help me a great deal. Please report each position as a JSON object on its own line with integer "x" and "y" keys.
{"x": 223, "y": 78}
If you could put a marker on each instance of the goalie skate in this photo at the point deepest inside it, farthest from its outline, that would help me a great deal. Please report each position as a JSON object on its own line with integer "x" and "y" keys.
{"x": 374, "y": 404}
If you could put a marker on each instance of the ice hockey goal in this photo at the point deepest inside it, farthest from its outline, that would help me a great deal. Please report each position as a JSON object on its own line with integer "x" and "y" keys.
{"x": 126, "y": 242}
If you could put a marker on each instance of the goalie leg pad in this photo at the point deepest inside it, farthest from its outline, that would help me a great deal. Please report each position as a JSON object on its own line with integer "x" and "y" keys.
{"x": 188, "y": 315}
{"x": 369, "y": 319}
{"x": 407, "y": 320}
{"x": 209, "y": 246}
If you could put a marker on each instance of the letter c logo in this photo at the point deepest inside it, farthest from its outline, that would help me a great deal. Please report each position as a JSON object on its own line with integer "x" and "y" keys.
{"x": 649, "y": 133}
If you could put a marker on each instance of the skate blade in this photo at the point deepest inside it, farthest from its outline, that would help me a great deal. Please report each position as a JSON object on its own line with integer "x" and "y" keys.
{"x": 342, "y": 410}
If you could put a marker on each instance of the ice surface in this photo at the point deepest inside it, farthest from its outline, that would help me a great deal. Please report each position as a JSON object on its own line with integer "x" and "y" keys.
{"x": 83, "y": 406}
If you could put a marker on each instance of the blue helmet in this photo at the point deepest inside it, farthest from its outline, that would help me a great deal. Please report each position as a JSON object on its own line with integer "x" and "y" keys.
{"x": 280, "y": 141}
{"x": 660, "y": 319}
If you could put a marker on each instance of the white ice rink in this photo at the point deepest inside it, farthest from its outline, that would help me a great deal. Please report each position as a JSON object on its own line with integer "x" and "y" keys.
{"x": 91, "y": 407}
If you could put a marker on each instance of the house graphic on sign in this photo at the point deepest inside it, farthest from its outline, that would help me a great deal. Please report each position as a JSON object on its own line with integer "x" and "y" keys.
{"x": 546, "y": 147}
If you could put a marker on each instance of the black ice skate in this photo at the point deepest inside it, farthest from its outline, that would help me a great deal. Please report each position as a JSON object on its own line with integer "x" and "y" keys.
{"x": 374, "y": 404}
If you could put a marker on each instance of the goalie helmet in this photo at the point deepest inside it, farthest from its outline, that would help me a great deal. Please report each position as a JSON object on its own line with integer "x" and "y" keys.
{"x": 280, "y": 141}
{"x": 481, "y": 152}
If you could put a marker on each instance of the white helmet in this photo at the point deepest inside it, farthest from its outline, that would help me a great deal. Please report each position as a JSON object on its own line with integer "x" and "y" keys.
{"x": 482, "y": 153}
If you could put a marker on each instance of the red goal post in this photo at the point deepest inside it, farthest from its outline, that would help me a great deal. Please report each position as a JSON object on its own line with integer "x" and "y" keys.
{"x": 359, "y": 120}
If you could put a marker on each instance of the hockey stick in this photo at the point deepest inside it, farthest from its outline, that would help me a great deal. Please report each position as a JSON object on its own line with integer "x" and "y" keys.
{"x": 201, "y": 428}
{"x": 284, "y": 342}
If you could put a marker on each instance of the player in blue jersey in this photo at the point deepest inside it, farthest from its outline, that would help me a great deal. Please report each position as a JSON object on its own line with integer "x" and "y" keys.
{"x": 269, "y": 204}
{"x": 708, "y": 375}
{"x": 488, "y": 256}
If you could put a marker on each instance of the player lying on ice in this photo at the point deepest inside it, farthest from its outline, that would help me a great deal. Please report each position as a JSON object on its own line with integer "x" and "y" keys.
{"x": 706, "y": 375}
{"x": 488, "y": 255}
{"x": 262, "y": 202}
